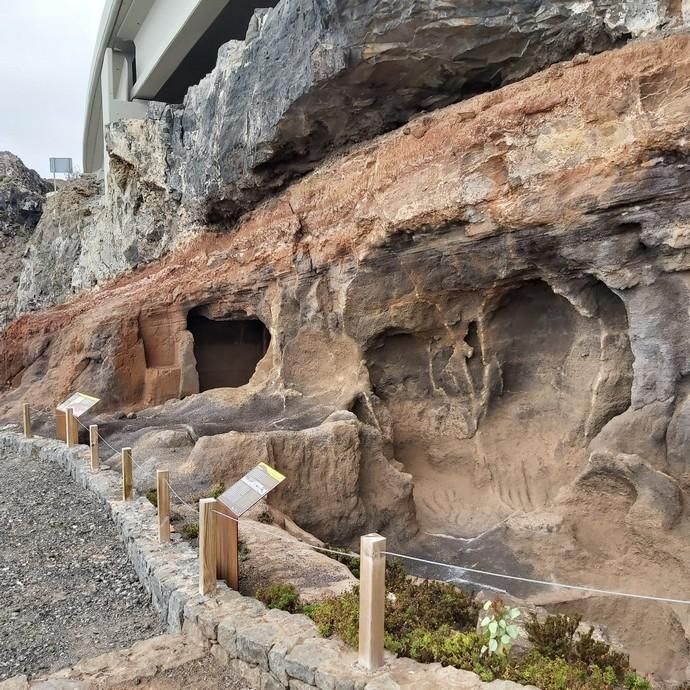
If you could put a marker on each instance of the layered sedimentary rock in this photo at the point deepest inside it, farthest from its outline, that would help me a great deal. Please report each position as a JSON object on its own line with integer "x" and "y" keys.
{"x": 22, "y": 193}
{"x": 310, "y": 79}
{"x": 482, "y": 315}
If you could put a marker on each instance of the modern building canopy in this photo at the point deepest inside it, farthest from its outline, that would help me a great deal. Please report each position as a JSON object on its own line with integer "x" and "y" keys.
{"x": 154, "y": 50}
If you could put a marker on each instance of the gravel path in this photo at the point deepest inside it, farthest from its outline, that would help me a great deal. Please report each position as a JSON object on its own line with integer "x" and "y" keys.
{"x": 67, "y": 589}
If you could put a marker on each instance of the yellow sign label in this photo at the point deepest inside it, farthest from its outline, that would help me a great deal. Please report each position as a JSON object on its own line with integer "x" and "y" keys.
{"x": 274, "y": 473}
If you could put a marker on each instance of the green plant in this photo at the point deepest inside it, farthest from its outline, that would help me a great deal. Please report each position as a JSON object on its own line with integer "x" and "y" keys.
{"x": 634, "y": 682}
{"x": 152, "y": 495}
{"x": 265, "y": 517}
{"x": 283, "y": 596}
{"x": 555, "y": 636}
{"x": 242, "y": 551}
{"x": 338, "y": 615}
{"x": 592, "y": 652}
{"x": 550, "y": 674}
{"x": 453, "y": 648}
{"x": 351, "y": 563}
{"x": 411, "y": 607}
{"x": 435, "y": 622}
{"x": 190, "y": 530}
{"x": 216, "y": 490}
{"x": 498, "y": 625}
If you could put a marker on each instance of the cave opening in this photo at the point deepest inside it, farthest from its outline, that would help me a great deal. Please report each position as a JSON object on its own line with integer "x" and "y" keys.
{"x": 227, "y": 352}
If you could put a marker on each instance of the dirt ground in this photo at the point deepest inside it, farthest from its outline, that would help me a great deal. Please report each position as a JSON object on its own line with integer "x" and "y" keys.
{"x": 201, "y": 674}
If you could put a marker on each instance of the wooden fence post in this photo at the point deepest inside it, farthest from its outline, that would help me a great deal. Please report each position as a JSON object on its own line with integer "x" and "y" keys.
{"x": 228, "y": 548}
{"x": 372, "y": 599}
{"x": 93, "y": 444}
{"x": 207, "y": 545}
{"x": 126, "y": 474}
{"x": 26, "y": 415}
{"x": 163, "y": 500}
{"x": 69, "y": 427}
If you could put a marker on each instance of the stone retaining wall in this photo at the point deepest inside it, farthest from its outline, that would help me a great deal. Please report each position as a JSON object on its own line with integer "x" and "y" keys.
{"x": 269, "y": 649}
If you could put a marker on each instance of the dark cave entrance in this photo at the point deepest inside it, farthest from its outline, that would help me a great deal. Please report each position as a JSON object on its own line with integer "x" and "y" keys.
{"x": 227, "y": 352}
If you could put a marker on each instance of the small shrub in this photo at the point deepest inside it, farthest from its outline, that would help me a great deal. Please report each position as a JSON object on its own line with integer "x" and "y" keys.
{"x": 548, "y": 673}
{"x": 265, "y": 517}
{"x": 555, "y": 636}
{"x": 190, "y": 530}
{"x": 242, "y": 551}
{"x": 452, "y": 648}
{"x": 152, "y": 495}
{"x": 283, "y": 596}
{"x": 634, "y": 682}
{"x": 338, "y": 616}
{"x": 595, "y": 653}
{"x": 216, "y": 490}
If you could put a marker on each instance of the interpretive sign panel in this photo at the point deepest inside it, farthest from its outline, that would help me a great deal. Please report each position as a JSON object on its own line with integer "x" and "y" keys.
{"x": 249, "y": 490}
{"x": 79, "y": 402}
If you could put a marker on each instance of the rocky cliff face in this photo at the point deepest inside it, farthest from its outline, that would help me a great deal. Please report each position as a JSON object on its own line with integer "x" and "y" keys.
{"x": 472, "y": 326}
{"x": 311, "y": 79}
{"x": 22, "y": 193}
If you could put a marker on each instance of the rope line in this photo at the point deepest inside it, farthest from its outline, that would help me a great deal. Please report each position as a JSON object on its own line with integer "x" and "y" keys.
{"x": 579, "y": 588}
{"x": 115, "y": 450}
{"x": 349, "y": 554}
{"x": 179, "y": 498}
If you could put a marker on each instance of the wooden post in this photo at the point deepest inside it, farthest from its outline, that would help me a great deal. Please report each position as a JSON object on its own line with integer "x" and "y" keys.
{"x": 372, "y": 599}
{"x": 93, "y": 444}
{"x": 228, "y": 547}
{"x": 126, "y": 474}
{"x": 69, "y": 427}
{"x": 163, "y": 500}
{"x": 207, "y": 545}
{"x": 26, "y": 416}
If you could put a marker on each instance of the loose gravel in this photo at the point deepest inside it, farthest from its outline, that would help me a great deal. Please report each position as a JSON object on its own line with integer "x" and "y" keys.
{"x": 67, "y": 589}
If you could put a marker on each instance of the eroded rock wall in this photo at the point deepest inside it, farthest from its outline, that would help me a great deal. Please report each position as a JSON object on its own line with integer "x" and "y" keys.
{"x": 510, "y": 263}
{"x": 311, "y": 79}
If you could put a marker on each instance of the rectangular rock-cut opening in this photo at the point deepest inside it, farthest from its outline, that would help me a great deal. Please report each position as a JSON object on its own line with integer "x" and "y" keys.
{"x": 227, "y": 352}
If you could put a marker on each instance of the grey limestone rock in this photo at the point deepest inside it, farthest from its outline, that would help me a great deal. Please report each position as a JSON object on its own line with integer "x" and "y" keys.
{"x": 22, "y": 194}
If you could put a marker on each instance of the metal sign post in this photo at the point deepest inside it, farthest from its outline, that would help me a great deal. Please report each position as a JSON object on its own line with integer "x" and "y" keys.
{"x": 60, "y": 165}
{"x": 233, "y": 503}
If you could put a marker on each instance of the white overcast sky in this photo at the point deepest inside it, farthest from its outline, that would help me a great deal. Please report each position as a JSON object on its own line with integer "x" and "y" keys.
{"x": 46, "y": 48}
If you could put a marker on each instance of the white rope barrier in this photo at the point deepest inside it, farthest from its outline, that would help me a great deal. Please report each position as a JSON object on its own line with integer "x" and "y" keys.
{"x": 547, "y": 583}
